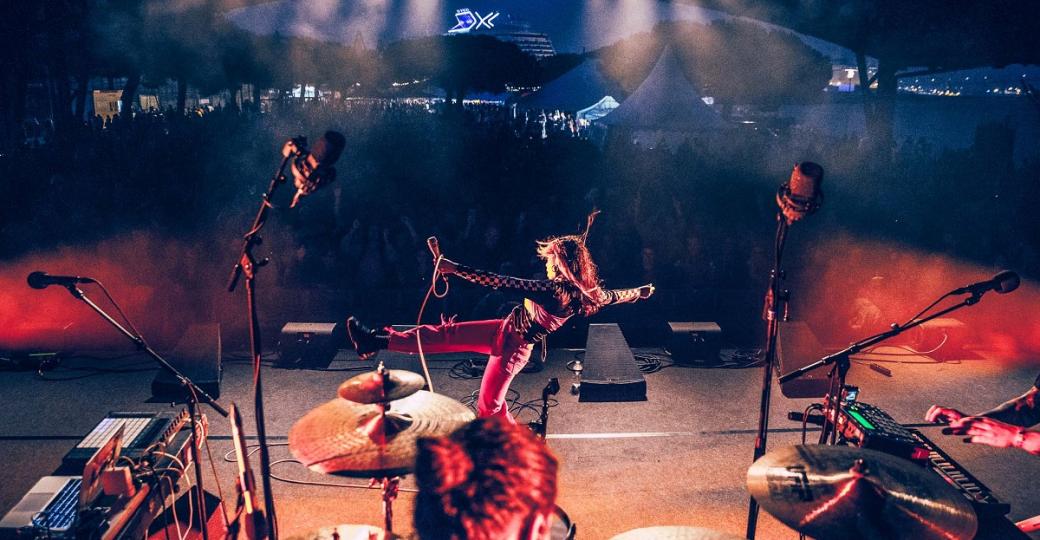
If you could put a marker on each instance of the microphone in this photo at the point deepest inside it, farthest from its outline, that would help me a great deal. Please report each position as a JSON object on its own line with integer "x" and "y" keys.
{"x": 41, "y": 280}
{"x": 435, "y": 248}
{"x": 313, "y": 168}
{"x": 802, "y": 194}
{"x": 1004, "y": 282}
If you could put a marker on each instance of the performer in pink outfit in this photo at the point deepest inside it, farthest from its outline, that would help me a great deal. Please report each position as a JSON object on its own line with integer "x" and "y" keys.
{"x": 572, "y": 288}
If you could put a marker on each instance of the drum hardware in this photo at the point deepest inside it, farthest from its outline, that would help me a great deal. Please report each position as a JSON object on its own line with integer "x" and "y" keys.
{"x": 832, "y": 492}
{"x": 675, "y": 533}
{"x": 374, "y": 433}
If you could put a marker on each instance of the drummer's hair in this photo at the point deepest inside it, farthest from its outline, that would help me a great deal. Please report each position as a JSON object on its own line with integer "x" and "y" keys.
{"x": 478, "y": 482}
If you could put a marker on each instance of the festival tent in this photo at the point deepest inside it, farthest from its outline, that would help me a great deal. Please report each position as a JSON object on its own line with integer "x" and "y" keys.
{"x": 582, "y": 87}
{"x": 600, "y": 109}
{"x": 666, "y": 101}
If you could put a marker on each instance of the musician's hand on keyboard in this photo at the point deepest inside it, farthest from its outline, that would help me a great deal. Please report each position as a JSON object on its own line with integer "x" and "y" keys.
{"x": 940, "y": 415}
{"x": 983, "y": 430}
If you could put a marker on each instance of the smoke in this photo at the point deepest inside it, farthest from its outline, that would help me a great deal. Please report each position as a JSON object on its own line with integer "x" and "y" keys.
{"x": 849, "y": 288}
{"x": 162, "y": 285}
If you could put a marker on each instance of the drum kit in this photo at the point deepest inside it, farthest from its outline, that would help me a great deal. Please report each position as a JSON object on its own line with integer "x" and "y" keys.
{"x": 370, "y": 431}
{"x": 826, "y": 492}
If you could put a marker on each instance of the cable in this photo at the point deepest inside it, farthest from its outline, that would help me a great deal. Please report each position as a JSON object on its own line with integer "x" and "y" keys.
{"x": 652, "y": 363}
{"x": 254, "y": 448}
{"x": 172, "y": 509}
{"x": 418, "y": 321}
{"x": 466, "y": 369}
{"x": 220, "y": 491}
{"x": 191, "y": 512}
{"x": 805, "y": 419}
{"x": 137, "y": 333}
{"x": 166, "y": 520}
{"x": 910, "y": 350}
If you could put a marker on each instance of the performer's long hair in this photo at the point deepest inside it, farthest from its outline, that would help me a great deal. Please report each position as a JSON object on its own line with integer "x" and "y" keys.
{"x": 482, "y": 482}
{"x": 574, "y": 265}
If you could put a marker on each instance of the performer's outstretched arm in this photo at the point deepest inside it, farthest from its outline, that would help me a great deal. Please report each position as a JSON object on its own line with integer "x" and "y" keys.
{"x": 495, "y": 281}
{"x": 627, "y": 296}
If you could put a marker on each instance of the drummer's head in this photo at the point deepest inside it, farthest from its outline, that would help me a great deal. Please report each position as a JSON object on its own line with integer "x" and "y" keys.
{"x": 489, "y": 480}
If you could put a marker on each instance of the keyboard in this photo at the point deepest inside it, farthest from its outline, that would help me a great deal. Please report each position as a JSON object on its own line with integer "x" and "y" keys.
{"x": 985, "y": 503}
{"x": 61, "y": 512}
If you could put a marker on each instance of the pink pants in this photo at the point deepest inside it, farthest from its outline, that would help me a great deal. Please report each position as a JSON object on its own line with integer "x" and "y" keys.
{"x": 507, "y": 354}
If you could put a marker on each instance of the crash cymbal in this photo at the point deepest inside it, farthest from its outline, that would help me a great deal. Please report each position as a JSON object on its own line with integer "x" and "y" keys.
{"x": 347, "y": 532}
{"x": 676, "y": 533}
{"x": 354, "y": 439}
{"x": 849, "y": 493}
{"x": 368, "y": 387}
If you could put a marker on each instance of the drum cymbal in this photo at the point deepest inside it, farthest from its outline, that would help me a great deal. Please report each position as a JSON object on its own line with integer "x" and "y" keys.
{"x": 354, "y": 439}
{"x": 842, "y": 492}
{"x": 675, "y": 533}
{"x": 368, "y": 387}
{"x": 347, "y": 532}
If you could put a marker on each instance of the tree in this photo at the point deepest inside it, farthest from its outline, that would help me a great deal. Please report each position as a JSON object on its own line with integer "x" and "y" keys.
{"x": 458, "y": 64}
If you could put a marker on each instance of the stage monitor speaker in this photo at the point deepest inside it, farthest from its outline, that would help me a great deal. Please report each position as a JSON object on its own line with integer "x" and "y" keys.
{"x": 694, "y": 343}
{"x": 309, "y": 345}
{"x": 798, "y": 347}
{"x": 610, "y": 372}
{"x": 941, "y": 339}
{"x": 197, "y": 356}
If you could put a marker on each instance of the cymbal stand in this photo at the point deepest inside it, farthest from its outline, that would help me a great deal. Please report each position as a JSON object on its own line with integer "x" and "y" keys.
{"x": 390, "y": 488}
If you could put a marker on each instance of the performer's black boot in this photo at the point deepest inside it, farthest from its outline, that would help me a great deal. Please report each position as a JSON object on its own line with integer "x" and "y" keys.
{"x": 366, "y": 342}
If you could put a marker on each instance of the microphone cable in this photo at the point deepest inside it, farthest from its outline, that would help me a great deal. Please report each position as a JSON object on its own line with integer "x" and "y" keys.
{"x": 432, "y": 291}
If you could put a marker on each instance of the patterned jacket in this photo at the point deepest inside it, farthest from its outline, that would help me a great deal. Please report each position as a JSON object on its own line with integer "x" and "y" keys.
{"x": 544, "y": 310}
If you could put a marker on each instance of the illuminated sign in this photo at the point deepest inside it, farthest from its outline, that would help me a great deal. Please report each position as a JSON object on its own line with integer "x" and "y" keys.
{"x": 467, "y": 20}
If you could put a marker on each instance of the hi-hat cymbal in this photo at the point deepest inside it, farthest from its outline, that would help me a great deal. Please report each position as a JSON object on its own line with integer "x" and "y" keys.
{"x": 369, "y": 387}
{"x": 831, "y": 492}
{"x": 346, "y": 532}
{"x": 353, "y": 439}
{"x": 675, "y": 533}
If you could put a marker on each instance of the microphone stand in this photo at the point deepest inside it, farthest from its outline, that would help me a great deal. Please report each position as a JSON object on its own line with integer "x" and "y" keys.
{"x": 195, "y": 395}
{"x": 248, "y": 266}
{"x": 841, "y": 364}
{"x": 540, "y": 426}
{"x": 774, "y": 309}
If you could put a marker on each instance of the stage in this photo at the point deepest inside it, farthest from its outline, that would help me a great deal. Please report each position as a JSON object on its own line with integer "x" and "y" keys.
{"x": 678, "y": 458}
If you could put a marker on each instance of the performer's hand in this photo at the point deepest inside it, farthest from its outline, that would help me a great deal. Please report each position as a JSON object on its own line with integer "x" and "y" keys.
{"x": 447, "y": 267}
{"x": 646, "y": 291}
{"x": 938, "y": 415}
{"x": 984, "y": 430}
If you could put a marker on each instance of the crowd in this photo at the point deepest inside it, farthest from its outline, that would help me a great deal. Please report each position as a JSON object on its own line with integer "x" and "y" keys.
{"x": 489, "y": 181}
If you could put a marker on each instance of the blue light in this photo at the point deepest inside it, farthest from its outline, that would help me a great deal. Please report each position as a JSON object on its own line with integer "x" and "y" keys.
{"x": 465, "y": 22}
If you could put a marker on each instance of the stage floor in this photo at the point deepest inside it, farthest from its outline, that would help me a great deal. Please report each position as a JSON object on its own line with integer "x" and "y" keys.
{"x": 678, "y": 458}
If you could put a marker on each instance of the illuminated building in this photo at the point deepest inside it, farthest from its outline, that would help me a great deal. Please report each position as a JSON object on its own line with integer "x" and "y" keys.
{"x": 505, "y": 28}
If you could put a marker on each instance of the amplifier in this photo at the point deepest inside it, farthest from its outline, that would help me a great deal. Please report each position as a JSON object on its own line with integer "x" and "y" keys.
{"x": 197, "y": 356}
{"x": 309, "y": 345}
{"x": 797, "y": 347}
{"x": 694, "y": 342}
